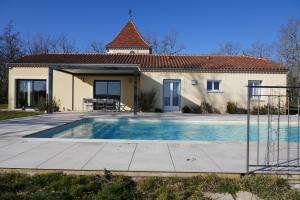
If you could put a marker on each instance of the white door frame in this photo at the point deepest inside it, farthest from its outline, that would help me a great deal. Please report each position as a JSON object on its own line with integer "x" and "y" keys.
{"x": 172, "y": 108}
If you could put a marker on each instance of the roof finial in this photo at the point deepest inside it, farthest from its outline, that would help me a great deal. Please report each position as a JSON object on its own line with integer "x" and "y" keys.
{"x": 130, "y": 14}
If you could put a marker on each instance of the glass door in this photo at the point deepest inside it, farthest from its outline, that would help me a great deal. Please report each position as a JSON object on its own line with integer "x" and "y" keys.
{"x": 107, "y": 94}
{"x": 171, "y": 90}
{"x": 30, "y": 93}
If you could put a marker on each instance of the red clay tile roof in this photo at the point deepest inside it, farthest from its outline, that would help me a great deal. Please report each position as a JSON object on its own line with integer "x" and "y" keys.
{"x": 128, "y": 37}
{"x": 163, "y": 62}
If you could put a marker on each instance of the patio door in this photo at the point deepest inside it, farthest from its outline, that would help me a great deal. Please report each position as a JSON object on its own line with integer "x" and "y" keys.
{"x": 171, "y": 90}
{"x": 30, "y": 92}
{"x": 107, "y": 94}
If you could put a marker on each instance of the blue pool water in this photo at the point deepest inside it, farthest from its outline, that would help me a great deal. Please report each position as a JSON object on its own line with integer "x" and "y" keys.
{"x": 138, "y": 129}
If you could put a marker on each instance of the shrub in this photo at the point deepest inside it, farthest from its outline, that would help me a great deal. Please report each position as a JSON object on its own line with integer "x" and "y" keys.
{"x": 263, "y": 110}
{"x": 197, "y": 109}
{"x": 55, "y": 105}
{"x": 158, "y": 110}
{"x": 241, "y": 110}
{"x": 231, "y": 107}
{"x": 186, "y": 109}
{"x": 3, "y": 100}
{"x": 118, "y": 188}
{"x": 147, "y": 100}
{"x": 206, "y": 108}
{"x": 42, "y": 104}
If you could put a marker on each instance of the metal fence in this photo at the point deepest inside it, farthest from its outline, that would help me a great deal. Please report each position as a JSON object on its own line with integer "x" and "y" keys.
{"x": 273, "y": 134}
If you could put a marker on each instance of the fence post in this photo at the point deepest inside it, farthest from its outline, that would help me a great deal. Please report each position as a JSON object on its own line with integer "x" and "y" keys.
{"x": 248, "y": 128}
{"x": 278, "y": 130}
{"x": 257, "y": 156}
{"x": 268, "y": 141}
{"x": 298, "y": 130}
{"x": 288, "y": 136}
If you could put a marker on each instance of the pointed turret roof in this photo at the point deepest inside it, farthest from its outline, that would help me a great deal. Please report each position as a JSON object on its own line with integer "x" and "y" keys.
{"x": 128, "y": 37}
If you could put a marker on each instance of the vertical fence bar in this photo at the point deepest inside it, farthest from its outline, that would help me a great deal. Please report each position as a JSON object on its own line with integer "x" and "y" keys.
{"x": 248, "y": 128}
{"x": 278, "y": 127}
{"x": 257, "y": 156}
{"x": 288, "y": 132}
{"x": 298, "y": 133}
{"x": 268, "y": 141}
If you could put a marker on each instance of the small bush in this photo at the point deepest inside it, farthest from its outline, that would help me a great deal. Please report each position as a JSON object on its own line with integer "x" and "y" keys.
{"x": 206, "y": 108}
{"x": 158, "y": 110}
{"x": 197, "y": 109}
{"x": 263, "y": 110}
{"x": 267, "y": 187}
{"x": 186, "y": 109}
{"x": 55, "y": 105}
{"x": 231, "y": 107}
{"x": 147, "y": 100}
{"x": 3, "y": 99}
{"x": 118, "y": 188}
{"x": 42, "y": 104}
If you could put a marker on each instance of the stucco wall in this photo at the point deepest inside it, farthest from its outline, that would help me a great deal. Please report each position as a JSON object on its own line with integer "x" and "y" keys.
{"x": 232, "y": 84}
{"x": 62, "y": 86}
{"x": 22, "y": 73}
{"x": 232, "y": 87}
{"x": 119, "y": 50}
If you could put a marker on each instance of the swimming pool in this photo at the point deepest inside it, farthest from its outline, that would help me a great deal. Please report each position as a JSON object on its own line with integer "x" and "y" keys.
{"x": 144, "y": 129}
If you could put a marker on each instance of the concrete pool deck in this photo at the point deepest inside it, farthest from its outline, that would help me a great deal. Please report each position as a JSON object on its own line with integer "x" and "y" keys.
{"x": 128, "y": 156}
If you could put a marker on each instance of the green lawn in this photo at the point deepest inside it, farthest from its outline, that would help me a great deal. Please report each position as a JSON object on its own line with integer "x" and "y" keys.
{"x": 3, "y": 106}
{"x": 108, "y": 187}
{"x": 16, "y": 114}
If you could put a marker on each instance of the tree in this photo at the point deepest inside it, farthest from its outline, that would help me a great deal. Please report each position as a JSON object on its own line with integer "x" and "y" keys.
{"x": 40, "y": 44}
{"x": 288, "y": 45}
{"x": 96, "y": 47}
{"x": 49, "y": 44}
{"x": 167, "y": 45}
{"x": 260, "y": 49}
{"x": 229, "y": 48}
{"x": 11, "y": 48}
{"x": 64, "y": 45}
{"x": 153, "y": 41}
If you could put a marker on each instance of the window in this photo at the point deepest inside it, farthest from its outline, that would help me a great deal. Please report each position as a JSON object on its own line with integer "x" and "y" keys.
{"x": 107, "y": 89}
{"x": 30, "y": 92}
{"x": 254, "y": 92}
{"x": 213, "y": 86}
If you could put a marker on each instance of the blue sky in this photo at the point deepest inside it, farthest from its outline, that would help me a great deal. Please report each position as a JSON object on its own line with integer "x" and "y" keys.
{"x": 201, "y": 25}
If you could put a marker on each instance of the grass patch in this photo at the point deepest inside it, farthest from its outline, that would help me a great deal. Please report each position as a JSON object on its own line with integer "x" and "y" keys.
{"x": 16, "y": 114}
{"x": 60, "y": 186}
{"x": 3, "y": 106}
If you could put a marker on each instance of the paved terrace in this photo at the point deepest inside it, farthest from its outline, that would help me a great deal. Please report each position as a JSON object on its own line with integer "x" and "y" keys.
{"x": 120, "y": 156}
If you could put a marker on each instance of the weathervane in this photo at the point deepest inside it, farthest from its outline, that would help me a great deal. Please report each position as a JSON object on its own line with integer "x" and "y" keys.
{"x": 130, "y": 14}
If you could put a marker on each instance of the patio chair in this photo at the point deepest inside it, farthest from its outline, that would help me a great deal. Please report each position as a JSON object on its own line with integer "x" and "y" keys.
{"x": 109, "y": 105}
{"x": 87, "y": 104}
{"x": 116, "y": 105}
{"x": 100, "y": 104}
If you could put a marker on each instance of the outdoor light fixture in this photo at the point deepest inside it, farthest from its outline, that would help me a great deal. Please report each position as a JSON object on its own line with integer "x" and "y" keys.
{"x": 194, "y": 82}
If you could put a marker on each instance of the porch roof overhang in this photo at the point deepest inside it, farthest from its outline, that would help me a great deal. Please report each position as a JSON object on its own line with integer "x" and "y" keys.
{"x": 117, "y": 69}
{"x": 126, "y": 69}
